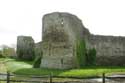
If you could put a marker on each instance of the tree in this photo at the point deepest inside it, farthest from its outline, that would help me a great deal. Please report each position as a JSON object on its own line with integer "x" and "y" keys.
{"x": 1, "y": 55}
{"x": 8, "y": 52}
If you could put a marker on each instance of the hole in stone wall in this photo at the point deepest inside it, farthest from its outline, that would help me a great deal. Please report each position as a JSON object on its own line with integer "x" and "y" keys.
{"x": 62, "y": 23}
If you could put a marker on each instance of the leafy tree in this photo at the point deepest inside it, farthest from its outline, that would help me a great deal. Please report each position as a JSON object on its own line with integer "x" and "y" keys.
{"x": 1, "y": 54}
{"x": 8, "y": 52}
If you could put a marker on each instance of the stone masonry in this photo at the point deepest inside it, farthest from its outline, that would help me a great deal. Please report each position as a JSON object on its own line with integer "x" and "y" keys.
{"x": 110, "y": 49}
{"x": 25, "y": 47}
{"x": 60, "y": 33}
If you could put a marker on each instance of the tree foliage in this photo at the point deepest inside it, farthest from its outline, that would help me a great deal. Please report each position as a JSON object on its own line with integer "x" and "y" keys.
{"x": 7, "y": 51}
{"x": 1, "y": 54}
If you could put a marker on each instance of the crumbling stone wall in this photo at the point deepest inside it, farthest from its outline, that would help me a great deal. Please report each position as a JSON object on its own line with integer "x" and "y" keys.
{"x": 38, "y": 49}
{"x": 110, "y": 49}
{"x": 25, "y": 47}
{"x": 60, "y": 33}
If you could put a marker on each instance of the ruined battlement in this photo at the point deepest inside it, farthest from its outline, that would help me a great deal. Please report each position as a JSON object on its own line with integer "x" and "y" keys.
{"x": 110, "y": 49}
{"x": 61, "y": 32}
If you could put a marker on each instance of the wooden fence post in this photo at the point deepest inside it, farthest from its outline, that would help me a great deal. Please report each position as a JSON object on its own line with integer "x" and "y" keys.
{"x": 8, "y": 77}
{"x": 103, "y": 78}
{"x": 50, "y": 79}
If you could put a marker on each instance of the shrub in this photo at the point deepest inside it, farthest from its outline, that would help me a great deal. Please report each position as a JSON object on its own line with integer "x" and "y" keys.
{"x": 80, "y": 52}
{"x": 91, "y": 57}
{"x": 1, "y": 55}
{"x": 7, "y": 52}
{"x": 85, "y": 57}
{"x": 37, "y": 61}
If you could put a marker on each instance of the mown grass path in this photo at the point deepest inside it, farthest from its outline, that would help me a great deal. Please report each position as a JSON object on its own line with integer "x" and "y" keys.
{"x": 25, "y": 68}
{"x": 2, "y": 67}
{"x": 3, "y": 70}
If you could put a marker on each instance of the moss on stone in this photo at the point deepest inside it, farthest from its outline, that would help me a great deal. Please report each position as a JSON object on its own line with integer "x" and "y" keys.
{"x": 80, "y": 53}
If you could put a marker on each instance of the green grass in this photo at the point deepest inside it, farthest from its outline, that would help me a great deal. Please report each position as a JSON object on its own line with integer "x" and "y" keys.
{"x": 13, "y": 65}
{"x": 25, "y": 67}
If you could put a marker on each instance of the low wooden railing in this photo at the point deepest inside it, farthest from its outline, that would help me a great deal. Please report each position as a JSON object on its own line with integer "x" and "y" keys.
{"x": 7, "y": 78}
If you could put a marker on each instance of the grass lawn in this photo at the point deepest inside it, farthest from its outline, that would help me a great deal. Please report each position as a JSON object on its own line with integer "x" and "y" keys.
{"x": 25, "y": 67}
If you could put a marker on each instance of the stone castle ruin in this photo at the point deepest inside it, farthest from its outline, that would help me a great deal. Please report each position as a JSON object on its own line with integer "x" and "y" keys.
{"x": 25, "y": 47}
{"x": 60, "y": 33}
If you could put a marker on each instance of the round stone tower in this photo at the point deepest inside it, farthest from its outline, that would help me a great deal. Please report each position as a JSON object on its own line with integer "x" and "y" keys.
{"x": 60, "y": 32}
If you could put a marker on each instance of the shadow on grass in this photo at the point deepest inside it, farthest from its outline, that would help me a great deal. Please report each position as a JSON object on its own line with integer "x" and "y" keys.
{"x": 80, "y": 73}
{"x": 54, "y": 72}
{"x": 25, "y": 61}
{"x": 38, "y": 71}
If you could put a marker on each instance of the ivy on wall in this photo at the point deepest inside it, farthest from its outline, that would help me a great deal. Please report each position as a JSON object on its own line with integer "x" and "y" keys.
{"x": 81, "y": 52}
{"x": 91, "y": 57}
{"x": 37, "y": 60}
{"x": 85, "y": 57}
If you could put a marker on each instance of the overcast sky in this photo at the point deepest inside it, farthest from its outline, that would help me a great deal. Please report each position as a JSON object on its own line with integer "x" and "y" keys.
{"x": 24, "y": 17}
